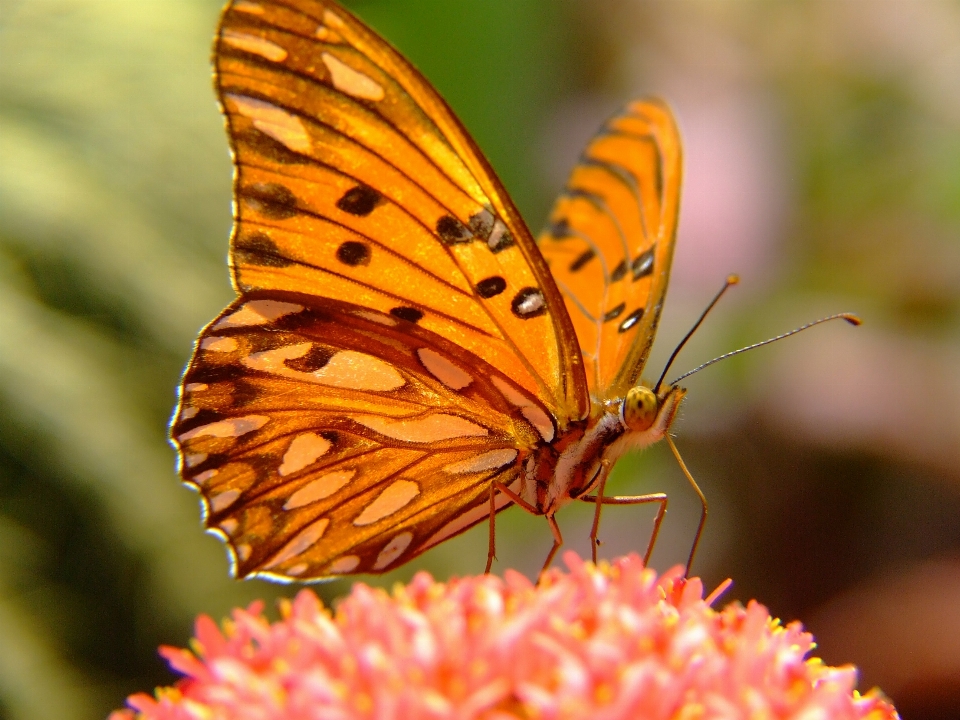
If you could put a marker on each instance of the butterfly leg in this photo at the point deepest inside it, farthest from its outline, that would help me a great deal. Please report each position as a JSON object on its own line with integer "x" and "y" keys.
{"x": 594, "y": 530}
{"x": 495, "y": 487}
{"x": 600, "y": 500}
{"x": 557, "y": 542}
{"x": 703, "y": 502}
{"x": 492, "y": 540}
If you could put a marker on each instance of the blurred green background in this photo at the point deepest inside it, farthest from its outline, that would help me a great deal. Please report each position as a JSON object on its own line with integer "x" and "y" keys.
{"x": 822, "y": 164}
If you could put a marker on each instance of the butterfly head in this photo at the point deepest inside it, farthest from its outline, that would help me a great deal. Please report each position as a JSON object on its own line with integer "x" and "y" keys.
{"x": 645, "y": 412}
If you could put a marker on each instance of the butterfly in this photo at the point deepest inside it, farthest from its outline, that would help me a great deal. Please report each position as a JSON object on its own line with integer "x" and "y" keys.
{"x": 404, "y": 359}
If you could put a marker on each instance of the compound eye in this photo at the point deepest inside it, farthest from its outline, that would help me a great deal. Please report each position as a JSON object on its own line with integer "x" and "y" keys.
{"x": 640, "y": 408}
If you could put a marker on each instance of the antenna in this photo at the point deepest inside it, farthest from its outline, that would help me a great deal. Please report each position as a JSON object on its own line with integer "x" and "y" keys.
{"x": 730, "y": 281}
{"x": 849, "y": 317}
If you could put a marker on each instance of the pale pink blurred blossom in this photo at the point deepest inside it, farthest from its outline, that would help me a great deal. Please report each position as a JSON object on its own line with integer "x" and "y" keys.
{"x": 606, "y": 642}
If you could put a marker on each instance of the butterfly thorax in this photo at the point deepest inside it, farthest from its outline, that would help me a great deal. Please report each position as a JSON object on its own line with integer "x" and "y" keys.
{"x": 578, "y": 459}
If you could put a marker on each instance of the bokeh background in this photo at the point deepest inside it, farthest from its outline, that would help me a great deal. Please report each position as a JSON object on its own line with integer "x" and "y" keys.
{"x": 822, "y": 163}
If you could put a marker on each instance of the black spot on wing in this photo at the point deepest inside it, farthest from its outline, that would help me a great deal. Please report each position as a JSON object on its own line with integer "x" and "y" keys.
{"x": 630, "y": 320}
{"x": 500, "y": 238}
{"x": 489, "y": 228}
{"x": 560, "y": 229}
{"x": 354, "y": 253}
{"x": 642, "y": 264}
{"x": 452, "y": 231}
{"x": 256, "y": 248}
{"x": 491, "y": 286}
{"x": 271, "y": 200}
{"x": 481, "y": 224}
{"x": 410, "y": 314}
{"x": 315, "y": 358}
{"x": 582, "y": 260}
{"x": 265, "y": 146}
{"x": 619, "y": 272}
{"x": 614, "y": 312}
{"x": 360, "y": 200}
{"x": 528, "y": 303}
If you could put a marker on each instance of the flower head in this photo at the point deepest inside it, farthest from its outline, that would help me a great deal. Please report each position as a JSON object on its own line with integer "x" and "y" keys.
{"x": 606, "y": 642}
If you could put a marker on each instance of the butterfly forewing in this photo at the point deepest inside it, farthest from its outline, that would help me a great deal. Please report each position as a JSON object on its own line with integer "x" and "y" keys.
{"x": 610, "y": 242}
{"x": 328, "y": 438}
{"x": 354, "y": 180}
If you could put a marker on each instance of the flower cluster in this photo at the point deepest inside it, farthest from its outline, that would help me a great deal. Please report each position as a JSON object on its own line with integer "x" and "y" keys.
{"x": 606, "y": 642}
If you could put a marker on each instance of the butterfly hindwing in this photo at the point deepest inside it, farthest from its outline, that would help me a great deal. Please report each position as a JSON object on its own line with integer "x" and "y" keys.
{"x": 610, "y": 239}
{"x": 328, "y": 438}
{"x": 354, "y": 180}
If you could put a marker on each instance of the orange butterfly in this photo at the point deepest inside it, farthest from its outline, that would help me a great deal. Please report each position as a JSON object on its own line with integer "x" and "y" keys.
{"x": 404, "y": 359}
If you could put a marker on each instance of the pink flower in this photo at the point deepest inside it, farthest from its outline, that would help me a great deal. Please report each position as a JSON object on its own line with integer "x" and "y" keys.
{"x": 604, "y": 642}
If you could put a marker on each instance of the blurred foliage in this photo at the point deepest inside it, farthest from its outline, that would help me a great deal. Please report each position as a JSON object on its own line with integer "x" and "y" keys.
{"x": 114, "y": 218}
